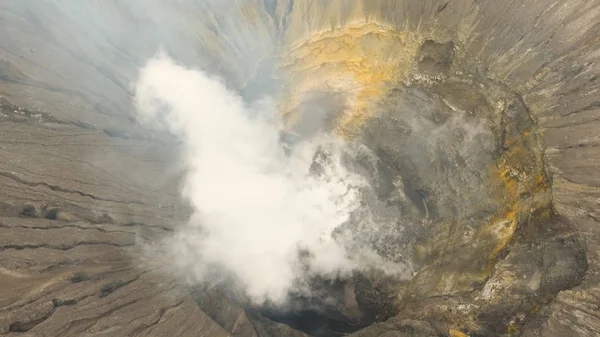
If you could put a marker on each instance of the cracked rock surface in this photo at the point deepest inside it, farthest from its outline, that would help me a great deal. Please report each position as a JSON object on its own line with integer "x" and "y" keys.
{"x": 481, "y": 119}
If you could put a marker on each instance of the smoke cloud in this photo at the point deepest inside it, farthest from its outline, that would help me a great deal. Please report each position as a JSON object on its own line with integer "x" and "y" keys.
{"x": 258, "y": 215}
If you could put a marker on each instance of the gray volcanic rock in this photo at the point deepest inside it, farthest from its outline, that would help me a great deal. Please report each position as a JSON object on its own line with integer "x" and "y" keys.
{"x": 477, "y": 124}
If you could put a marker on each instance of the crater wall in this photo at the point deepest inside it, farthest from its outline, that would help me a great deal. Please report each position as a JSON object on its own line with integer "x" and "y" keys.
{"x": 528, "y": 193}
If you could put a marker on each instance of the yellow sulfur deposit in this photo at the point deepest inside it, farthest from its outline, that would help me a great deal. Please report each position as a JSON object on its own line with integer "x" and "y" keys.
{"x": 356, "y": 61}
{"x": 457, "y": 333}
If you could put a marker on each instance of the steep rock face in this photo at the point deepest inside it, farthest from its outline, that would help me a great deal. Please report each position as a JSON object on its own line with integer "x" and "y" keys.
{"x": 485, "y": 116}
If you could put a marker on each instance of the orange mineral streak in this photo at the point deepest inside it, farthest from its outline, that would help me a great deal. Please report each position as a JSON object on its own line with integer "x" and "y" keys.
{"x": 358, "y": 62}
{"x": 504, "y": 226}
{"x": 510, "y": 173}
{"x": 457, "y": 333}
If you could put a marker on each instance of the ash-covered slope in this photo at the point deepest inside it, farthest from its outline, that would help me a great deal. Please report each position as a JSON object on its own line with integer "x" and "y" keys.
{"x": 478, "y": 125}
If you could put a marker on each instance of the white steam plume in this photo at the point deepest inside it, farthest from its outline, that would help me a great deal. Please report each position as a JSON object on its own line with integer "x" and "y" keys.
{"x": 255, "y": 207}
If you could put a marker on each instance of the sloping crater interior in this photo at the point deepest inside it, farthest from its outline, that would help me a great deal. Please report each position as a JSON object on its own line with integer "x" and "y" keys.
{"x": 475, "y": 124}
